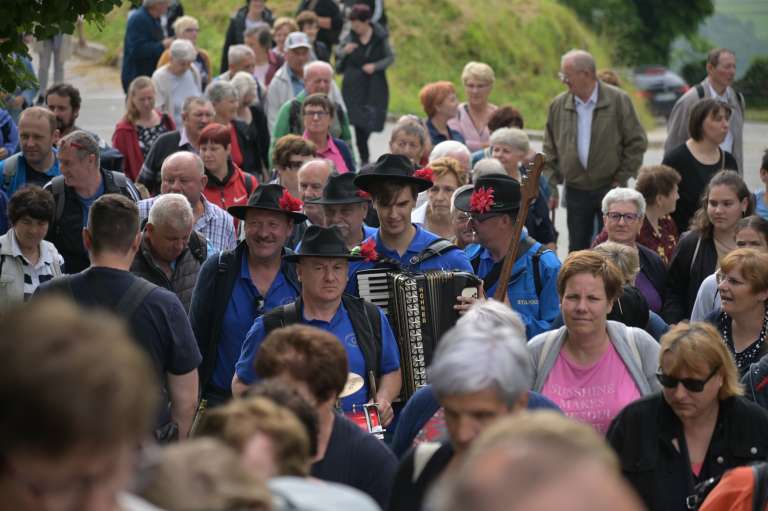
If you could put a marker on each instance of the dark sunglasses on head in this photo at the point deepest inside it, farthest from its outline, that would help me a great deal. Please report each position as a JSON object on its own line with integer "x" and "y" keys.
{"x": 691, "y": 384}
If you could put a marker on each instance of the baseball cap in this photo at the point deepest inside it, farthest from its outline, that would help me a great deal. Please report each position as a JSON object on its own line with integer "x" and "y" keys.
{"x": 297, "y": 40}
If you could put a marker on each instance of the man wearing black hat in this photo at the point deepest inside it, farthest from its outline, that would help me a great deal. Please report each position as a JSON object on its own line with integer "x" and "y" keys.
{"x": 493, "y": 204}
{"x": 362, "y": 328}
{"x": 345, "y": 207}
{"x": 239, "y": 285}
{"x": 394, "y": 185}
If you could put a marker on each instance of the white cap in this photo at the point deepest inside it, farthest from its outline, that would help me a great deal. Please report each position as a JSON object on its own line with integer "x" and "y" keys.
{"x": 297, "y": 40}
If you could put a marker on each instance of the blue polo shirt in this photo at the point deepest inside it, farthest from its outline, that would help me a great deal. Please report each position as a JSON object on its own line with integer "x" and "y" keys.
{"x": 454, "y": 260}
{"x": 245, "y": 305}
{"x": 537, "y": 311}
{"x": 340, "y": 326}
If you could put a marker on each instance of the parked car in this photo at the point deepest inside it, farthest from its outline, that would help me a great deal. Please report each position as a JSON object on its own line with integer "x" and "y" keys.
{"x": 660, "y": 87}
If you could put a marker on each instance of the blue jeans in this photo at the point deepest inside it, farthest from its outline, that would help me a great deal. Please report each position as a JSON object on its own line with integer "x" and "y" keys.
{"x": 583, "y": 208}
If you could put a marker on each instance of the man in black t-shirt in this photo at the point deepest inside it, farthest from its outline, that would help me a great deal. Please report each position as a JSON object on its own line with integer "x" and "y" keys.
{"x": 314, "y": 363}
{"x": 155, "y": 316}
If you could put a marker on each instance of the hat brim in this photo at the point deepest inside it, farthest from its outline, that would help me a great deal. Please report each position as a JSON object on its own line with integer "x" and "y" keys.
{"x": 365, "y": 181}
{"x": 463, "y": 199}
{"x": 240, "y": 212}
{"x": 329, "y": 202}
{"x": 292, "y": 258}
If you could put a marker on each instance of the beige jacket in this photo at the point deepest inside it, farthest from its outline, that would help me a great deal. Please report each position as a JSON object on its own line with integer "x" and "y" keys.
{"x": 617, "y": 144}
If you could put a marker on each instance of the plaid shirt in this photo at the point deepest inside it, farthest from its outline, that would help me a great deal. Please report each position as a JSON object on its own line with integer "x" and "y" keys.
{"x": 215, "y": 224}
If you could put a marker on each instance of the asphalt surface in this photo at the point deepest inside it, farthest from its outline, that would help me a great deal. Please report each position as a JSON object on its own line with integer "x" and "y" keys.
{"x": 103, "y": 105}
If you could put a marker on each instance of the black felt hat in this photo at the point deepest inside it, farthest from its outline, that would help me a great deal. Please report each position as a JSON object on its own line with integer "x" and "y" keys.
{"x": 341, "y": 189}
{"x": 492, "y": 193}
{"x": 392, "y": 168}
{"x": 271, "y": 197}
{"x": 323, "y": 242}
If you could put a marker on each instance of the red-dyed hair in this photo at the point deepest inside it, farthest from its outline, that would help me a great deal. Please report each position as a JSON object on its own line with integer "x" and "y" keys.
{"x": 432, "y": 94}
{"x": 216, "y": 133}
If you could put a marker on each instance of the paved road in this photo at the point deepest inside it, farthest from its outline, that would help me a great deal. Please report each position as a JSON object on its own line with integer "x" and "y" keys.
{"x": 103, "y": 106}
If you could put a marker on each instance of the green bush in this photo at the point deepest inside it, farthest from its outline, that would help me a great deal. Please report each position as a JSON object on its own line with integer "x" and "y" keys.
{"x": 754, "y": 84}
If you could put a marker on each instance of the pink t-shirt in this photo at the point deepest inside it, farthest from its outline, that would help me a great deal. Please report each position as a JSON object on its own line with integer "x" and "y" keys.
{"x": 594, "y": 394}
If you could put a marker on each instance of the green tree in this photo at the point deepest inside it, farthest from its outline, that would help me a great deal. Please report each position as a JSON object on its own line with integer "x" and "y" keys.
{"x": 643, "y": 30}
{"x": 43, "y": 19}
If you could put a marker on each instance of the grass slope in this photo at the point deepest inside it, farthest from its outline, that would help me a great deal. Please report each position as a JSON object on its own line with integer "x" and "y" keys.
{"x": 433, "y": 39}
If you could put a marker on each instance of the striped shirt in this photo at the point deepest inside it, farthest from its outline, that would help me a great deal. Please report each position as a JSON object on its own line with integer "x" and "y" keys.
{"x": 215, "y": 224}
{"x": 35, "y": 274}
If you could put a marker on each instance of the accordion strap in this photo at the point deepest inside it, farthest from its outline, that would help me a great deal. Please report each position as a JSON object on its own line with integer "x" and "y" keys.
{"x": 437, "y": 247}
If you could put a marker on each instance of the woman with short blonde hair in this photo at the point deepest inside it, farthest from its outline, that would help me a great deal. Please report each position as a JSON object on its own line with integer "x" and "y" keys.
{"x": 472, "y": 119}
{"x": 698, "y": 427}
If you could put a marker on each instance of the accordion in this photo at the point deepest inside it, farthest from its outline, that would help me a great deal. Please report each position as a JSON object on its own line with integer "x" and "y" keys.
{"x": 420, "y": 310}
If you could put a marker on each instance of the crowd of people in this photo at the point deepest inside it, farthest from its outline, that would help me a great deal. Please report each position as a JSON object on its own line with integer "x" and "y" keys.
{"x": 203, "y": 282}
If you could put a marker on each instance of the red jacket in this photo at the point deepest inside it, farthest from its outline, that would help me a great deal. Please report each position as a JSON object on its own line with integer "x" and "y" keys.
{"x": 126, "y": 140}
{"x": 233, "y": 190}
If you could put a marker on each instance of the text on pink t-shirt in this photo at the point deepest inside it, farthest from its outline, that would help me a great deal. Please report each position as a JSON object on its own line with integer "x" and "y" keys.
{"x": 594, "y": 394}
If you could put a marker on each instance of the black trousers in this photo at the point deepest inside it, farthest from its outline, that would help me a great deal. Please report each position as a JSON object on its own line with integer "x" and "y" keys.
{"x": 583, "y": 208}
{"x": 362, "y": 135}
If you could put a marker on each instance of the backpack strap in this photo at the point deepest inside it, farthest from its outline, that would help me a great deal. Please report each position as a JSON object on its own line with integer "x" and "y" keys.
{"x": 284, "y": 315}
{"x": 536, "y": 269}
{"x": 248, "y": 183}
{"x": 294, "y": 126}
{"x": 436, "y": 248}
{"x": 10, "y": 167}
{"x": 700, "y": 90}
{"x": 134, "y": 297}
{"x": 58, "y": 190}
{"x": 760, "y": 492}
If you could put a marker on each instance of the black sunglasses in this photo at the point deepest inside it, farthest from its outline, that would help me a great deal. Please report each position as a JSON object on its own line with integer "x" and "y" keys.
{"x": 691, "y": 384}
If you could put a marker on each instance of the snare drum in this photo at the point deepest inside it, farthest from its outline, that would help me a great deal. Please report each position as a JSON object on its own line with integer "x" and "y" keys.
{"x": 367, "y": 418}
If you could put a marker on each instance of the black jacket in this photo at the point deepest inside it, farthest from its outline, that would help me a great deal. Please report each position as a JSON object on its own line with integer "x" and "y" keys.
{"x": 325, "y": 9}
{"x": 236, "y": 29}
{"x": 642, "y": 437}
{"x": 686, "y": 274}
{"x": 653, "y": 268}
{"x": 165, "y": 145}
{"x": 366, "y": 96}
{"x": 210, "y": 299}
{"x": 252, "y": 147}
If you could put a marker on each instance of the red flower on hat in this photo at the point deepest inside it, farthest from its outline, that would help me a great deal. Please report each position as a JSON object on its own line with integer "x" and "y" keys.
{"x": 289, "y": 203}
{"x": 426, "y": 174}
{"x": 481, "y": 200}
{"x": 367, "y": 250}
{"x": 364, "y": 195}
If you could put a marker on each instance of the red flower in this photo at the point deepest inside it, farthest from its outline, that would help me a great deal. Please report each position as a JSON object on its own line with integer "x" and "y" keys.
{"x": 368, "y": 251}
{"x": 364, "y": 195}
{"x": 425, "y": 174}
{"x": 481, "y": 200}
{"x": 289, "y": 203}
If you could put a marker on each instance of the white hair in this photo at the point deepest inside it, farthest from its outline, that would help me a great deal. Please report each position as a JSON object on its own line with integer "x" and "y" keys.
{"x": 488, "y": 166}
{"x": 173, "y": 210}
{"x": 471, "y": 359}
{"x": 448, "y": 148}
{"x": 182, "y": 49}
{"x": 245, "y": 84}
{"x": 238, "y": 52}
{"x": 582, "y": 61}
{"x": 492, "y": 314}
{"x": 319, "y": 64}
{"x": 220, "y": 90}
{"x": 456, "y": 194}
{"x": 624, "y": 195}
{"x": 512, "y": 137}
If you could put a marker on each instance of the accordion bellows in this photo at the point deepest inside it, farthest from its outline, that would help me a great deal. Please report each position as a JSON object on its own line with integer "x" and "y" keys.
{"x": 420, "y": 311}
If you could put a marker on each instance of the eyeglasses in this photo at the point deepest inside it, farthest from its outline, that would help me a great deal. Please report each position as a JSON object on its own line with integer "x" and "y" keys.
{"x": 616, "y": 217}
{"x": 691, "y": 384}
{"x": 318, "y": 114}
{"x": 479, "y": 219}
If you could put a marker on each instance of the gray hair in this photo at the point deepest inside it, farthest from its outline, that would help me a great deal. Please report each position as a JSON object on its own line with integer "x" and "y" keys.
{"x": 183, "y": 155}
{"x": 320, "y": 64}
{"x": 448, "y": 148}
{"x": 182, "y": 49}
{"x": 172, "y": 209}
{"x": 193, "y": 100}
{"x": 238, "y": 52}
{"x": 492, "y": 314}
{"x": 488, "y": 166}
{"x": 624, "y": 195}
{"x": 314, "y": 161}
{"x": 512, "y": 137}
{"x": 221, "y": 90}
{"x": 245, "y": 84}
{"x": 471, "y": 359}
{"x": 83, "y": 143}
{"x": 456, "y": 194}
{"x": 582, "y": 61}
{"x": 626, "y": 258}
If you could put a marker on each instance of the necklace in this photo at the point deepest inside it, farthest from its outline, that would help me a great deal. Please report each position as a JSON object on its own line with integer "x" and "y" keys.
{"x": 751, "y": 353}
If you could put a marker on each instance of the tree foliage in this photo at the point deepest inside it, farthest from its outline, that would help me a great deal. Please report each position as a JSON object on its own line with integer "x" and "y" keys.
{"x": 43, "y": 19}
{"x": 642, "y": 30}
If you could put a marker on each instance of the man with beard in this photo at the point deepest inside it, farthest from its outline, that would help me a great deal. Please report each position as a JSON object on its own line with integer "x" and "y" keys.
{"x": 345, "y": 207}
{"x": 37, "y": 162}
{"x": 240, "y": 285}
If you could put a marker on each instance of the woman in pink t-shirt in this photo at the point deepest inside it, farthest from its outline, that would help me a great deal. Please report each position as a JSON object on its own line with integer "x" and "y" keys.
{"x": 591, "y": 367}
